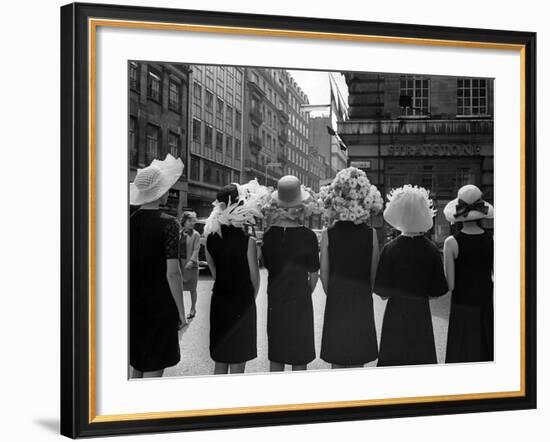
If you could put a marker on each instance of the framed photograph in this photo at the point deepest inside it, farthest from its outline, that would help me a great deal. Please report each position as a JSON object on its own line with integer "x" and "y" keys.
{"x": 273, "y": 220}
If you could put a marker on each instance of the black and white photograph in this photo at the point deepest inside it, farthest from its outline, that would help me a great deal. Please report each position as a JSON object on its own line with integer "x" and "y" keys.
{"x": 296, "y": 220}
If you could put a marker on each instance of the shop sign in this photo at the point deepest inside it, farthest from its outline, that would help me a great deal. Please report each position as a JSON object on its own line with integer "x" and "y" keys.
{"x": 366, "y": 164}
{"x": 434, "y": 150}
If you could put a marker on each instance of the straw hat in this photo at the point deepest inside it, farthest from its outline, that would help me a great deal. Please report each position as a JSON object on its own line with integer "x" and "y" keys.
{"x": 289, "y": 192}
{"x": 155, "y": 180}
{"x": 468, "y": 206}
{"x": 409, "y": 209}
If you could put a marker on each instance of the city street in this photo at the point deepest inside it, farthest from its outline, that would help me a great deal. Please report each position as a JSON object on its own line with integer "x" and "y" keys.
{"x": 195, "y": 357}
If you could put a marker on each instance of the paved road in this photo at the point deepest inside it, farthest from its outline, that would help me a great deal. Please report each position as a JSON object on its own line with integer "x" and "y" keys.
{"x": 196, "y": 360}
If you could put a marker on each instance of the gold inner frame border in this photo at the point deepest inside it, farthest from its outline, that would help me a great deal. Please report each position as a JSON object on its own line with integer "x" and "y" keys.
{"x": 93, "y": 24}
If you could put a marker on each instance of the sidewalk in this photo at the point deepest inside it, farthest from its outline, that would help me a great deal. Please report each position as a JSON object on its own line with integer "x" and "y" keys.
{"x": 196, "y": 360}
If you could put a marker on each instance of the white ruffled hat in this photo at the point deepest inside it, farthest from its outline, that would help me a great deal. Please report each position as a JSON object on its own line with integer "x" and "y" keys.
{"x": 410, "y": 209}
{"x": 155, "y": 180}
{"x": 468, "y": 206}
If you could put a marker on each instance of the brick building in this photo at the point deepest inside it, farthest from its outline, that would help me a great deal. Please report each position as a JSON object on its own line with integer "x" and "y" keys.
{"x": 436, "y": 132}
{"x": 158, "y": 119}
{"x": 216, "y": 152}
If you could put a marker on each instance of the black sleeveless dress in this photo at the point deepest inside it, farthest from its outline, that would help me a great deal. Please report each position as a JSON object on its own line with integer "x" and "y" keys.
{"x": 233, "y": 307}
{"x": 289, "y": 255}
{"x": 349, "y": 332}
{"x": 154, "y": 318}
{"x": 410, "y": 271}
{"x": 471, "y": 321}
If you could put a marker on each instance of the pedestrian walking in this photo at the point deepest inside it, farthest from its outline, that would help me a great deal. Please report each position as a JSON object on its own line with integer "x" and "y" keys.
{"x": 156, "y": 303}
{"x": 468, "y": 259}
{"x": 291, "y": 256}
{"x": 410, "y": 271}
{"x": 349, "y": 256}
{"x": 232, "y": 258}
{"x": 189, "y": 246}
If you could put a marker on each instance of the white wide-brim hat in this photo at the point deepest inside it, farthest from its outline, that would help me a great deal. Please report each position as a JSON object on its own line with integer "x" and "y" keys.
{"x": 409, "y": 211}
{"x": 155, "y": 180}
{"x": 289, "y": 192}
{"x": 468, "y": 206}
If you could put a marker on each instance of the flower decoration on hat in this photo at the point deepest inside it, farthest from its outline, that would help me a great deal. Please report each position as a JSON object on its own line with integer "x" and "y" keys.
{"x": 242, "y": 212}
{"x": 350, "y": 197}
{"x": 303, "y": 205}
{"x": 410, "y": 209}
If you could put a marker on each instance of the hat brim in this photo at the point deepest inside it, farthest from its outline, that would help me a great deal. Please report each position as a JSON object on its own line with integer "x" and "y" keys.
{"x": 409, "y": 214}
{"x": 450, "y": 210}
{"x": 301, "y": 198}
{"x": 171, "y": 170}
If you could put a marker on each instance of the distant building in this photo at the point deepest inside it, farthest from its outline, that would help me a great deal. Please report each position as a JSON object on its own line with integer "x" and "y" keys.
{"x": 158, "y": 119}
{"x": 216, "y": 146}
{"x": 435, "y": 132}
{"x": 276, "y": 129}
{"x": 326, "y": 144}
{"x": 265, "y": 126}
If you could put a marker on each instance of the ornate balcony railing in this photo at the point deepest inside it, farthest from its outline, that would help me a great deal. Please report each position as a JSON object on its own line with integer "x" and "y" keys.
{"x": 256, "y": 116}
{"x": 255, "y": 141}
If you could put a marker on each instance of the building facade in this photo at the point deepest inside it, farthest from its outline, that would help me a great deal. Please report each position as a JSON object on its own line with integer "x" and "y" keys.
{"x": 326, "y": 144}
{"x": 158, "y": 120}
{"x": 277, "y": 129}
{"x": 435, "y": 132}
{"x": 216, "y": 144}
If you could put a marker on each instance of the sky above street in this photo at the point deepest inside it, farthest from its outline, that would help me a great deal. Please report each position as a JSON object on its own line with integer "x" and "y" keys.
{"x": 316, "y": 85}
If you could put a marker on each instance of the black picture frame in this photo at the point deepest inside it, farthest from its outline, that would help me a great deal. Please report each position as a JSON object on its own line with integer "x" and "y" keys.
{"x": 76, "y": 403}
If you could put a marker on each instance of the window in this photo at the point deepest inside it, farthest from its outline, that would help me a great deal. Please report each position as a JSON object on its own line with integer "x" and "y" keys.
{"x": 134, "y": 76}
{"x": 471, "y": 97}
{"x": 174, "y": 96}
{"x": 219, "y": 141}
{"x": 238, "y": 119}
{"x": 219, "y": 113}
{"x": 255, "y": 78}
{"x": 132, "y": 141}
{"x": 197, "y": 99}
{"x": 228, "y": 146}
{"x": 418, "y": 89}
{"x": 153, "y": 85}
{"x": 208, "y": 132}
{"x": 153, "y": 142}
{"x": 209, "y": 106}
{"x": 197, "y": 131}
{"x": 174, "y": 144}
{"x": 237, "y": 150}
{"x": 214, "y": 174}
{"x": 228, "y": 119}
{"x": 269, "y": 118}
{"x": 195, "y": 168}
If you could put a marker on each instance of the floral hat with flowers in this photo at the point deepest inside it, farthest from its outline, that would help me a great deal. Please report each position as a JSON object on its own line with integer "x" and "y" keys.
{"x": 410, "y": 209}
{"x": 350, "y": 197}
{"x": 307, "y": 205}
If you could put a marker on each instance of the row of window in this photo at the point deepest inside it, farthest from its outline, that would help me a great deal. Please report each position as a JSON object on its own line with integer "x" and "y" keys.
{"x": 212, "y": 173}
{"x": 155, "y": 85}
{"x": 224, "y": 112}
{"x": 213, "y": 137}
{"x": 472, "y": 96}
{"x": 226, "y": 81}
{"x": 153, "y": 144}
